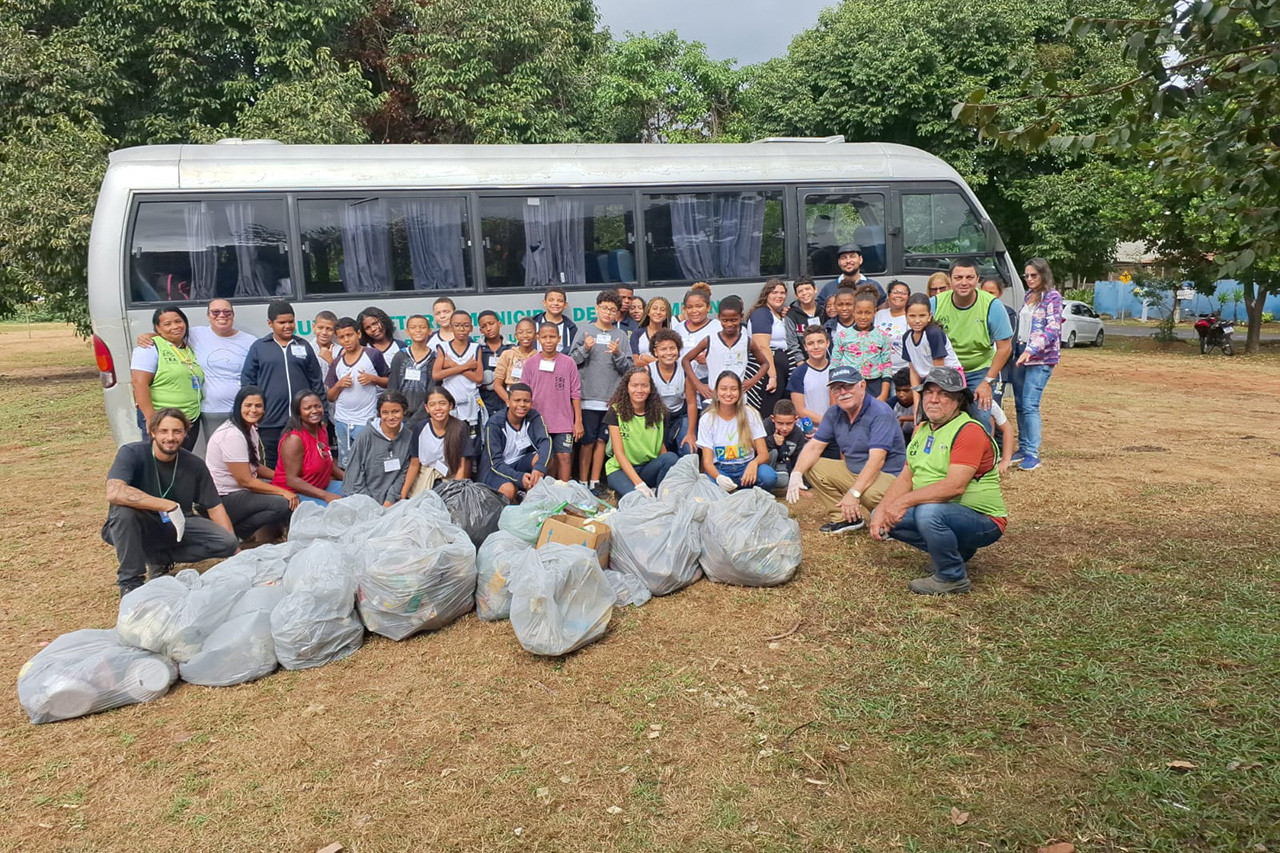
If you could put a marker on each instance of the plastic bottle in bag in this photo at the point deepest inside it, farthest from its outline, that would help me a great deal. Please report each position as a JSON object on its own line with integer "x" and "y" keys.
{"x": 749, "y": 539}
{"x": 498, "y": 558}
{"x": 166, "y": 616}
{"x": 658, "y": 542}
{"x": 560, "y": 599}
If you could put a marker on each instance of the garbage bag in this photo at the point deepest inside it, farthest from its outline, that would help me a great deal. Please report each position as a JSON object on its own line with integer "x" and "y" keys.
{"x": 426, "y": 503}
{"x": 496, "y": 561}
{"x": 324, "y": 569}
{"x": 549, "y": 490}
{"x": 415, "y": 574}
{"x": 685, "y": 482}
{"x": 240, "y": 650}
{"x": 166, "y": 616}
{"x": 749, "y": 539}
{"x": 524, "y": 520}
{"x": 258, "y": 599}
{"x": 560, "y": 599}
{"x": 633, "y": 499}
{"x": 658, "y": 542}
{"x": 310, "y": 631}
{"x": 307, "y": 522}
{"x": 87, "y": 671}
{"x": 473, "y": 507}
{"x": 629, "y": 589}
{"x": 334, "y": 521}
{"x": 261, "y": 566}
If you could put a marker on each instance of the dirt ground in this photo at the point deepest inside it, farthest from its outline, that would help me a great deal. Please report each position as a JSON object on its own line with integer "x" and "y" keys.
{"x": 716, "y": 719}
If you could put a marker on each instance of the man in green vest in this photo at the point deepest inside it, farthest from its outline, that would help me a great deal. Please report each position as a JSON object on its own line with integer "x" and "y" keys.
{"x": 978, "y": 327}
{"x": 947, "y": 501}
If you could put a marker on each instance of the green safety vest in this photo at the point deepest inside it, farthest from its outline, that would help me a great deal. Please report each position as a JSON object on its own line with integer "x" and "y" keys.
{"x": 178, "y": 381}
{"x": 967, "y": 329}
{"x": 929, "y": 457}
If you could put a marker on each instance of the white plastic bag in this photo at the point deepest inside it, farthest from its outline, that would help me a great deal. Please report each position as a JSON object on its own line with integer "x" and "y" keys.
{"x": 166, "y": 616}
{"x": 309, "y": 631}
{"x": 560, "y": 599}
{"x": 307, "y": 522}
{"x": 334, "y": 521}
{"x": 658, "y": 542}
{"x": 685, "y": 483}
{"x": 496, "y": 561}
{"x": 89, "y": 671}
{"x": 549, "y": 490}
{"x": 749, "y": 539}
{"x": 324, "y": 569}
{"x": 240, "y": 650}
{"x": 416, "y": 574}
{"x": 261, "y": 566}
{"x": 629, "y": 589}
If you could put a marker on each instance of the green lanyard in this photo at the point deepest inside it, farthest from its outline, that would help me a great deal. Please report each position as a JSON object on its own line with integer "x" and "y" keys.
{"x": 164, "y": 493}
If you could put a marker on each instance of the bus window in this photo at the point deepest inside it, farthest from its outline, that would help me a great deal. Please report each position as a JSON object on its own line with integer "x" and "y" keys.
{"x": 200, "y": 250}
{"x": 937, "y": 226}
{"x": 538, "y": 241}
{"x": 379, "y": 245}
{"x": 834, "y": 219}
{"x": 709, "y": 236}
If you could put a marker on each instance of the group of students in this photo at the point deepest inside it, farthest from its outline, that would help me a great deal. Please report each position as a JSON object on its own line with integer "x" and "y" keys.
{"x": 353, "y": 410}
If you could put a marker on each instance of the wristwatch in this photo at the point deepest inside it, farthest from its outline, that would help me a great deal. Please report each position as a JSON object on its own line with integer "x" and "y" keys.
{"x": 991, "y": 380}
{"x": 857, "y": 495}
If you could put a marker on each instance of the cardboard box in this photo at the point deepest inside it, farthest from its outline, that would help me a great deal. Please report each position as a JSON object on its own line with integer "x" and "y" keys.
{"x": 571, "y": 530}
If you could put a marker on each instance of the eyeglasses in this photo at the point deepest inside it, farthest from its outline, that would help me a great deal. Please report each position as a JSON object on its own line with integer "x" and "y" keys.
{"x": 221, "y": 312}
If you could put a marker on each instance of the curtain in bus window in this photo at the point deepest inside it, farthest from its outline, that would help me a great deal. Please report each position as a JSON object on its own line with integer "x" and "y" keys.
{"x": 251, "y": 280}
{"x": 739, "y": 235}
{"x": 434, "y": 228}
{"x": 555, "y": 245}
{"x": 366, "y": 250}
{"x": 693, "y": 227}
{"x": 201, "y": 251}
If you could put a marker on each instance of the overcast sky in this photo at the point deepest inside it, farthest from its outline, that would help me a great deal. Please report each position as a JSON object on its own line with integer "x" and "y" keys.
{"x": 747, "y": 30}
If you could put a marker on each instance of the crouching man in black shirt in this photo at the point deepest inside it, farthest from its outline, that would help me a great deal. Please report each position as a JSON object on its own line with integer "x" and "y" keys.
{"x": 152, "y": 488}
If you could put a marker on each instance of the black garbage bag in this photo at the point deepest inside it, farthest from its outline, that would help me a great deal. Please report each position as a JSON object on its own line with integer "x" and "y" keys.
{"x": 473, "y": 507}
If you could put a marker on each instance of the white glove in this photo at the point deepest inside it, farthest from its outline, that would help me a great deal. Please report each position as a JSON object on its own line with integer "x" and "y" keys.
{"x": 725, "y": 483}
{"x": 793, "y": 488}
{"x": 643, "y": 488}
{"x": 178, "y": 520}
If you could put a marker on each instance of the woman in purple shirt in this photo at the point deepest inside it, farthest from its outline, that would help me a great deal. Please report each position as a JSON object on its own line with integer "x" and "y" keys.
{"x": 1039, "y": 336}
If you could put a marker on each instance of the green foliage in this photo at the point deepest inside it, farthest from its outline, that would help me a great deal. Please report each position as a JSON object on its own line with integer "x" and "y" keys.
{"x": 1268, "y": 317}
{"x": 1080, "y": 294}
{"x": 657, "y": 88}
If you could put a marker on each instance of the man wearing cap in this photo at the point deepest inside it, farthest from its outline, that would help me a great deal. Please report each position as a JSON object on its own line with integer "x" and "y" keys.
{"x": 978, "y": 327}
{"x": 947, "y": 500}
{"x": 867, "y": 433}
{"x": 850, "y": 263}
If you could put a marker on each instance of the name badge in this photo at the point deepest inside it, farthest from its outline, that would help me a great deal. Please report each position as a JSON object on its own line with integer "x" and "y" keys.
{"x": 546, "y": 366}
{"x": 413, "y": 374}
{"x": 517, "y": 372}
{"x": 299, "y": 350}
{"x": 391, "y": 465}
{"x": 928, "y": 444}
{"x": 603, "y": 338}
{"x": 814, "y": 321}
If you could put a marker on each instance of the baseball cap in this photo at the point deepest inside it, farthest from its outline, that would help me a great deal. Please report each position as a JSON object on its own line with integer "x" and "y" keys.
{"x": 845, "y": 375}
{"x": 849, "y": 247}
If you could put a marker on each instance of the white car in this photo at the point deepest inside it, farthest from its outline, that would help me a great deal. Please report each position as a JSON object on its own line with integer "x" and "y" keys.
{"x": 1080, "y": 325}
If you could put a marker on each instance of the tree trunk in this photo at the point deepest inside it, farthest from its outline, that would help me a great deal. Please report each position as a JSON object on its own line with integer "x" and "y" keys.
{"x": 1255, "y": 299}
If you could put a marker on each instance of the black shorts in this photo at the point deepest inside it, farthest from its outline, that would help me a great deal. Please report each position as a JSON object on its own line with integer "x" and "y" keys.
{"x": 593, "y": 428}
{"x": 561, "y": 442}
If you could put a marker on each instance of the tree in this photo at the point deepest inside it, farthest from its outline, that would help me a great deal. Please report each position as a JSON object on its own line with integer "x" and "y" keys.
{"x": 658, "y": 88}
{"x": 1200, "y": 107}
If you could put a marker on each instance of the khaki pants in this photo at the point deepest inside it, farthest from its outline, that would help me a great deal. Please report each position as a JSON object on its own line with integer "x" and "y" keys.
{"x": 427, "y": 477}
{"x": 831, "y": 479}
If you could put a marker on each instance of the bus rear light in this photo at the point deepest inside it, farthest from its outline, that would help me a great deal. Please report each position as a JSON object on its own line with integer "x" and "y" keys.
{"x": 106, "y": 366}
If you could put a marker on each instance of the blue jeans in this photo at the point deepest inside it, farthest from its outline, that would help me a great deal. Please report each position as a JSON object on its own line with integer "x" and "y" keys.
{"x": 1028, "y": 387}
{"x": 334, "y": 488}
{"x": 650, "y": 472}
{"x": 949, "y": 533}
{"x": 677, "y": 426}
{"x": 973, "y": 380}
{"x": 766, "y": 477}
{"x": 344, "y": 436}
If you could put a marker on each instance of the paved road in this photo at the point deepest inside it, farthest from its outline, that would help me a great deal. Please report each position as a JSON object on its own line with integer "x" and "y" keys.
{"x": 1237, "y": 337}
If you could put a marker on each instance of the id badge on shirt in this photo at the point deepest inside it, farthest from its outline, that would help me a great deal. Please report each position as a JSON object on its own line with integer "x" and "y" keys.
{"x": 928, "y": 444}
{"x": 546, "y": 366}
{"x": 413, "y": 374}
{"x": 390, "y": 465}
{"x": 516, "y": 372}
{"x": 299, "y": 350}
{"x": 603, "y": 338}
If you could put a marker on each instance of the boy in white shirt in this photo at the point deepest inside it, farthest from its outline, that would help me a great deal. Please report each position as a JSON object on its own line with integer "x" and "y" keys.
{"x": 356, "y": 375}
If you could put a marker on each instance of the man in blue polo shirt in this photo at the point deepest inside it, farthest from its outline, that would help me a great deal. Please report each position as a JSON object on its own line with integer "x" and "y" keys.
{"x": 870, "y": 440}
{"x": 850, "y": 262}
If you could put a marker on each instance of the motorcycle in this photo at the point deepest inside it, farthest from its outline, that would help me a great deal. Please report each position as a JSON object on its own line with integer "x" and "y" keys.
{"x": 1215, "y": 332}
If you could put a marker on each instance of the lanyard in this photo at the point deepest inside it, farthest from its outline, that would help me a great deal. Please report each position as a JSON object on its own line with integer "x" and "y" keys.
{"x": 164, "y": 493}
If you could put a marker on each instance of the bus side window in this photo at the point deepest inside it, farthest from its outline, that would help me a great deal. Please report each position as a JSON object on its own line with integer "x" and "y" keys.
{"x": 834, "y": 219}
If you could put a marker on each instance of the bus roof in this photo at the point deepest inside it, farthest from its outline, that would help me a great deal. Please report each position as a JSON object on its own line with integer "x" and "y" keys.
{"x": 287, "y": 167}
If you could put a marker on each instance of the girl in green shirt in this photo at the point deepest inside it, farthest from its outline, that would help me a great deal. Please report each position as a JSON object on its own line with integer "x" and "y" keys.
{"x": 637, "y": 458}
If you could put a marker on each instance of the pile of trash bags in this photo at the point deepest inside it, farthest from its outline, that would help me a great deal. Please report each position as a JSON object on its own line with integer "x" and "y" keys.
{"x": 354, "y": 566}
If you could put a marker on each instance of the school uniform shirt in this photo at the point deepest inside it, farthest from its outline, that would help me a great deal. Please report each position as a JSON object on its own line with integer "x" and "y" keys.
{"x": 430, "y": 448}
{"x": 357, "y": 405}
{"x": 764, "y": 322}
{"x": 489, "y": 361}
{"x": 466, "y": 393}
{"x": 933, "y": 344}
{"x": 391, "y": 350}
{"x": 812, "y": 383}
{"x": 281, "y": 372}
{"x": 895, "y": 328}
{"x": 555, "y": 385}
{"x": 222, "y": 359}
{"x": 722, "y": 438}
{"x": 691, "y": 338}
{"x": 504, "y": 445}
{"x": 378, "y": 464}
{"x": 412, "y": 379}
{"x": 671, "y": 392}
{"x": 568, "y": 328}
{"x": 722, "y": 356}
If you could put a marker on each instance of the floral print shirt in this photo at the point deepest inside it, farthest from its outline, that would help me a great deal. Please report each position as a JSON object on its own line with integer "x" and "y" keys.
{"x": 871, "y": 352}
